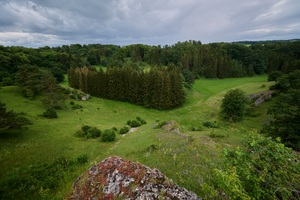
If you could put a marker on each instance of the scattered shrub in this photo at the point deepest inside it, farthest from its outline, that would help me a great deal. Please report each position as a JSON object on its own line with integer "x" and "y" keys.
{"x": 128, "y": 122}
{"x": 135, "y": 123}
{"x": 108, "y": 136}
{"x": 26, "y": 181}
{"x": 161, "y": 124}
{"x": 124, "y": 130}
{"x": 87, "y": 132}
{"x": 76, "y": 106}
{"x": 114, "y": 128}
{"x": 72, "y": 103}
{"x": 141, "y": 120}
{"x": 82, "y": 159}
{"x": 50, "y": 113}
{"x": 210, "y": 124}
{"x": 216, "y": 135}
{"x": 198, "y": 128}
{"x": 80, "y": 133}
{"x": 85, "y": 128}
{"x": 93, "y": 132}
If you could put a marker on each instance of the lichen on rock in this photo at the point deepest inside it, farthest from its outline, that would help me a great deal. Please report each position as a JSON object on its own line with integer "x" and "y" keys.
{"x": 116, "y": 178}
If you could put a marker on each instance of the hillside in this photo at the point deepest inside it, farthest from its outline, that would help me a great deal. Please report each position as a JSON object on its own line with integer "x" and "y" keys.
{"x": 185, "y": 160}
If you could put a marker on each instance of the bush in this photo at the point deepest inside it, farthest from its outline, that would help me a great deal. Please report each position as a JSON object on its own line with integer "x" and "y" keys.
{"x": 161, "y": 124}
{"x": 87, "y": 132}
{"x": 216, "y": 135}
{"x": 93, "y": 132}
{"x": 76, "y": 106}
{"x": 85, "y": 128}
{"x": 210, "y": 124}
{"x": 82, "y": 159}
{"x": 108, "y": 136}
{"x": 198, "y": 128}
{"x": 124, "y": 130}
{"x": 50, "y": 113}
{"x": 141, "y": 120}
{"x": 135, "y": 123}
{"x": 80, "y": 133}
{"x": 274, "y": 75}
{"x": 264, "y": 168}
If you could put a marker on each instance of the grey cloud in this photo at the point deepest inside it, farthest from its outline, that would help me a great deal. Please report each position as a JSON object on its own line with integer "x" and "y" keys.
{"x": 146, "y": 21}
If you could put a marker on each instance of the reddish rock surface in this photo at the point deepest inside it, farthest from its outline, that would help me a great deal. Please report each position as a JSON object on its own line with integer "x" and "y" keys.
{"x": 116, "y": 178}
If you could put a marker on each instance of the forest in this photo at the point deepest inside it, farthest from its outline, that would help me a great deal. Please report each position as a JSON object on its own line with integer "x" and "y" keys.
{"x": 63, "y": 109}
{"x": 194, "y": 59}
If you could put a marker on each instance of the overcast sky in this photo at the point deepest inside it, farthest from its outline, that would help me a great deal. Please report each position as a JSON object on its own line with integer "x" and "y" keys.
{"x": 39, "y": 23}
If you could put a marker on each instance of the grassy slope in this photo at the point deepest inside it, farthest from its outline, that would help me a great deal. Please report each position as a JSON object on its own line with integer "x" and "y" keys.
{"x": 47, "y": 139}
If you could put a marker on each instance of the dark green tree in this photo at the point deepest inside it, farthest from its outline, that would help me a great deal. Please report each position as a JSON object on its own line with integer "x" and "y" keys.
{"x": 234, "y": 105}
{"x": 285, "y": 125}
{"x": 11, "y": 120}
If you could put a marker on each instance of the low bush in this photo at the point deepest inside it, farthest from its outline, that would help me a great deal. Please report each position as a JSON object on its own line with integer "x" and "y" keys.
{"x": 135, "y": 123}
{"x": 50, "y": 113}
{"x": 85, "y": 128}
{"x": 87, "y": 132}
{"x": 124, "y": 130}
{"x": 108, "y": 136}
{"x": 26, "y": 181}
{"x": 161, "y": 124}
{"x": 82, "y": 159}
{"x": 93, "y": 132}
{"x": 141, "y": 120}
{"x": 197, "y": 128}
{"x": 216, "y": 135}
{"x": 210, "y": 124}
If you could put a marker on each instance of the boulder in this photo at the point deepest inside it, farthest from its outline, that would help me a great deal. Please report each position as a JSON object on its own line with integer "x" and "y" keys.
{"x": 116, "y": 178}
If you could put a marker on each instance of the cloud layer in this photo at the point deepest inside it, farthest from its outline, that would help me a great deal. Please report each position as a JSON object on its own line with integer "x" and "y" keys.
{"x": 53, "y": 22}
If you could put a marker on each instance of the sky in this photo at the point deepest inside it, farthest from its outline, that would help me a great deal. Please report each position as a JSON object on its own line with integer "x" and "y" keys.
{"x": 39, "y": 23}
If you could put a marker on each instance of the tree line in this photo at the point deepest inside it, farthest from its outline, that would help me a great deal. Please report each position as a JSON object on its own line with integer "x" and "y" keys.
{"x": 160, "y": 88}
{"x": 194, "y": 59}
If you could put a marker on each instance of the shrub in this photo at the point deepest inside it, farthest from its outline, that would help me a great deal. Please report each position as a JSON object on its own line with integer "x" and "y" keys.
{"x": 87, "y": 132}
{"x": 265, "y": 169}
{"x": 93, "y": 132}
{"x": 216, "y": 135}
{"x": 141, "y": 120}
{"x": 85, "y": 128}
{"x": 124, "y": 130}
{"x": 135, "y": 123}
{"x": 198, "y": 128}
{"x": 76, "y": 106}
{"x": 274, "y": 75}
{"x": 108, "y": 136}
{"x": 210, "y": 124}
{"x": 82, "y": 159}
{"x": 50, "y": 113}
{"x": 161, "y": 124}
{"x": 80, "y": 133}
{"x": 114, "y": 128}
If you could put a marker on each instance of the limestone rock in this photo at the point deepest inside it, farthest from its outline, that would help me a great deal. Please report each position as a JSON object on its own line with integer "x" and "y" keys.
{"x": 116, "y": 178}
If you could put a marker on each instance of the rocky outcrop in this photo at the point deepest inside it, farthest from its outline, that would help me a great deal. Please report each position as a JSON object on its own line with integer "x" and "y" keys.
{"x": 259, "y": 98}
{"x": 116, "y": 178}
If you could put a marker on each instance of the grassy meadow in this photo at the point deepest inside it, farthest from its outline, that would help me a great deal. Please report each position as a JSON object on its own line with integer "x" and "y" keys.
{"x": 185, "y": 160}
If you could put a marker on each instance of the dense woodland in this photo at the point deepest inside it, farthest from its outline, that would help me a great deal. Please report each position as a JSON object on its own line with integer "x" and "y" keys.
{"x": 194, "y": 59}
{"x": 159, "y": 88}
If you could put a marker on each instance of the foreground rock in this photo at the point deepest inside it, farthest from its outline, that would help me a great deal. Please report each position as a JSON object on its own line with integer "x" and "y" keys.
{"x": 115, "y": 178}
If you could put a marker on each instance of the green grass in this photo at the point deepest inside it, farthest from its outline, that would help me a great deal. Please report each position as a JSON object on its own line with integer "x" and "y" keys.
{"x": 48, "y": 139}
